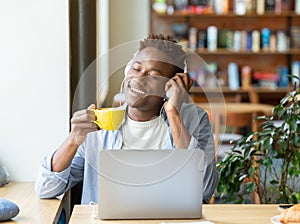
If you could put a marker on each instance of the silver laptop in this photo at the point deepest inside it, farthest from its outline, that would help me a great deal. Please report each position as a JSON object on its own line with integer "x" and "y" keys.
{"x": 150, "y": 184}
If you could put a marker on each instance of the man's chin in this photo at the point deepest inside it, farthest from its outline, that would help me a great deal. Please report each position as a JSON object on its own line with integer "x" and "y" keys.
{"x": 136, "y": 102}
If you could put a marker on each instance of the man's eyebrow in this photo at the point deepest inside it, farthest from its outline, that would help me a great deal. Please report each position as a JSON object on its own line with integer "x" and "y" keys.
{"x": 138, "y": 62}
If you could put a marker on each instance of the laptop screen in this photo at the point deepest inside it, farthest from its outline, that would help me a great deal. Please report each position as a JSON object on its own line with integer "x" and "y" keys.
{"x": 150, "y": 184}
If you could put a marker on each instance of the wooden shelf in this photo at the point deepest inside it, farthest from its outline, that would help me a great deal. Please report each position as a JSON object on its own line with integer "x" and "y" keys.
{"x": 240, "y": 90}
{"x": 230, "y": 14}
{"x": 254, "y": 94}
{"x": 222, "y": 51}
{"x": 262, "y": 61}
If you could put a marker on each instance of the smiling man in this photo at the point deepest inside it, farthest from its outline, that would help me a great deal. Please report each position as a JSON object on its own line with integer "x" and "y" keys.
{"x": 151, "y": 122}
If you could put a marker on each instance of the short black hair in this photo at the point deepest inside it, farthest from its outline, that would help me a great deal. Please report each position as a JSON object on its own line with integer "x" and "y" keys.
{"x": 169, "y": 46}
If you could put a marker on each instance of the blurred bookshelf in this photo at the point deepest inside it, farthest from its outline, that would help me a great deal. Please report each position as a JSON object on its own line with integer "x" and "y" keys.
{"x": 253, "y": 95}
{"x": 262, "y": 35}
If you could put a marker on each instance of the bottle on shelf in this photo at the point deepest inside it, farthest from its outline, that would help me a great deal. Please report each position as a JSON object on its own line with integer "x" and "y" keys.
{"x": 283, "y": 76}
{"x": 160, "y": 6}
{"x": 278, "y": 6}
{"x": 243, "y": 40}
{"x": 270, "y": 5}
{"x": 240, "y": 7}
{"x": 260, "y": 7}
{"x": 282, "y": 41}
{"x": 273, "y": 42}
{"x": 246, "y": 76}
{"x": 295, "y": 71}
{"x": 221, "y": 6}
{"x": 265, "y": 39}
{"x": 249, "y": 40}
{"x": 201, "y": 41}
{"x": 212, "y": 36}
{"x": 237, "y": 40}
{"x": 170, "y": 7}
{"x": 193, "y": 38}
{"x": 255, "y": 41}
{"x": 250, "y": 6}
{"x": 297, "y": 7}
{"x": 233, "y": 76}
{"x": 229, "y": 40}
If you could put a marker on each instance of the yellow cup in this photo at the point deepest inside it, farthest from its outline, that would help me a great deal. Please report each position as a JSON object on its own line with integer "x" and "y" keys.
{"x": 109, "y": 118}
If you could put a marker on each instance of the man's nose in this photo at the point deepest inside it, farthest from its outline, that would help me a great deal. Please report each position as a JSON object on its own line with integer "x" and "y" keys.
{"x": 142, "y": 73}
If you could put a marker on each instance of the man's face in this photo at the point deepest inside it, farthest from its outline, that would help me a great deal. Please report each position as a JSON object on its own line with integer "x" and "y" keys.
{"x": 146, "y": 79}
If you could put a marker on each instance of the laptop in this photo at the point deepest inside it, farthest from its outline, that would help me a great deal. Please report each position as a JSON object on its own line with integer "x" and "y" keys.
{"x": 150, "y": 184}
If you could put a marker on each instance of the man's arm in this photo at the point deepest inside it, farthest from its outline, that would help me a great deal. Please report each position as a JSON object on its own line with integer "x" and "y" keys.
{"x": 196, "y": 119}
{"x": 51, "y": 184}
{"x": 180, "y": 85}
{"x": 64, "y": 168}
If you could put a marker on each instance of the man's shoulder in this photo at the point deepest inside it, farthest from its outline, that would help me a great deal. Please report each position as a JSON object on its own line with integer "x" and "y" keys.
{"x": 191, "y": 107}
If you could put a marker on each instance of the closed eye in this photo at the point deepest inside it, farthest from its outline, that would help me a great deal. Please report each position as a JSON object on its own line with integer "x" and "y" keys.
{"x": 152, "y": 76}
{"x": 136, "y": 66}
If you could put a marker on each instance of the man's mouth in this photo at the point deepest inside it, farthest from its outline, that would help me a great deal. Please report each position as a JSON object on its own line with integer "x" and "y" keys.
{"x": 137, "y": 90}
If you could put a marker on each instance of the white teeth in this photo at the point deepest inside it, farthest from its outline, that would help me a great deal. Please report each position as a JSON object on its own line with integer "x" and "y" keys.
{"x": 138, "y": 91}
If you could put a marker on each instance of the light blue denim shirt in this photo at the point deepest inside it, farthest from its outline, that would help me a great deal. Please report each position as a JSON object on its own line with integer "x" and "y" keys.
{"x": 84, "y": 165}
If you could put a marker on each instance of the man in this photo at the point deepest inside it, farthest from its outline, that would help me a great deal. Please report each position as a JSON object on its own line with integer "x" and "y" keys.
{"x": 151, "y": 122}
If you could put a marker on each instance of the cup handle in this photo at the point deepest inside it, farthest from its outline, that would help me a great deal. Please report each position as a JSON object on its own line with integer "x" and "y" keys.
{"x": 96, "y": 122}
{"x": 100, "y": 126}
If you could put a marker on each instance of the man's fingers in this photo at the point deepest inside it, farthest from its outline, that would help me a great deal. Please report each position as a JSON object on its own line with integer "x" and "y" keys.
{"x": 91, "y": 107}
{"x": 85, "y": 126}
{"x": 180, "y": 80}
{"x": 83, "y": 118}
{"x": 84, "y": 115}
{"x": 191, "y": 81}
{"x": 186, "y": 80}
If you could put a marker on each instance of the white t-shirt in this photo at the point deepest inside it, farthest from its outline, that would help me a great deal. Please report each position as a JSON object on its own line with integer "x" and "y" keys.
{"x": 144, "y": 135}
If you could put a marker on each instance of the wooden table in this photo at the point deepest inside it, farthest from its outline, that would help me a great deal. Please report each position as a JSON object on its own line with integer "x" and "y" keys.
{"x": 32, "y": 209}
{"x": 216, "y": 213}
{"x": 236, "y": 107}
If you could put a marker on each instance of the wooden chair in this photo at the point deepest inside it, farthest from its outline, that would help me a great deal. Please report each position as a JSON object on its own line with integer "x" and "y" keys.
{"x": 221, "y": 120}
{"x": 223, "y": 141}
{"x": 229, "y": 126}
{"x": 234, "y": 125}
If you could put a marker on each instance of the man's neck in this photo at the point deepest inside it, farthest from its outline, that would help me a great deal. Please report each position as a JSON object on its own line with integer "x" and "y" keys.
{"x": 141, "y": 115}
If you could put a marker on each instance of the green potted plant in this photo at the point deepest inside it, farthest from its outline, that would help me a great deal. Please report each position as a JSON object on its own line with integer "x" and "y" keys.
{"x": 266, "y": 162}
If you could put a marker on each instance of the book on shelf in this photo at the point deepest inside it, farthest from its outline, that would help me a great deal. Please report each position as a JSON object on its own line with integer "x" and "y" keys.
{"x": 255, "y": 40}
{"x": 238, "y": 7}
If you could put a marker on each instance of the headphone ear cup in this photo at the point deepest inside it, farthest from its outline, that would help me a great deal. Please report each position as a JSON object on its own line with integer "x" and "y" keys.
{"x": 185, "y": 70}
{"x": 127, "y": 67}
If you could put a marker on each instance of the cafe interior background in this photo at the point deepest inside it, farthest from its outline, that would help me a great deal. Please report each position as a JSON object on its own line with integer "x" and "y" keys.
{"x": 47, "y": 46}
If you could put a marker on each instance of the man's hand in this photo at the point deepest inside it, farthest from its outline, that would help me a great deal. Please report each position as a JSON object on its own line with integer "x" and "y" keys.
{"x": 82, "y": 123}
{"x": 180, "y": 84}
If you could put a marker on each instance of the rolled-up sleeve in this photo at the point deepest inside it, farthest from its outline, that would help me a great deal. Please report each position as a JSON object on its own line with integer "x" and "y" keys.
{"x": 51, "y": 184}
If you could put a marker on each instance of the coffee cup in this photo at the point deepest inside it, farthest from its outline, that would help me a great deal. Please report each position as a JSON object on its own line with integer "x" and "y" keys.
{"x": 109, "y": 118}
